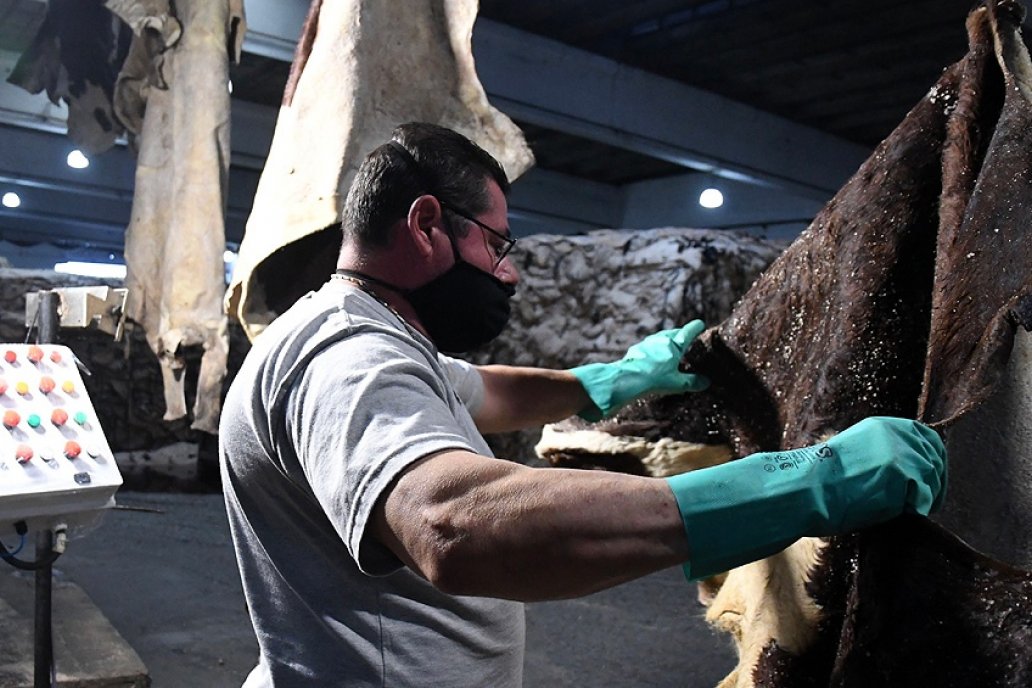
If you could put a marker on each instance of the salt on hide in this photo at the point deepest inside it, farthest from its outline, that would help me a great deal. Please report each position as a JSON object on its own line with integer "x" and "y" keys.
{"x": 349, "y": 88}
{"x": 902, "y": 298}
{"x": 982, "y": 287}
{"x": 923, "y": 609}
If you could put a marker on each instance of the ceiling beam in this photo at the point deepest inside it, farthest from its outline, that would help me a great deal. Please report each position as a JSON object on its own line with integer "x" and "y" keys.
{"x": 552, "y": 85}
{"x": 99, "y": 196}
{"x": 546, "y": 202}
{"x": 273, "y": 27}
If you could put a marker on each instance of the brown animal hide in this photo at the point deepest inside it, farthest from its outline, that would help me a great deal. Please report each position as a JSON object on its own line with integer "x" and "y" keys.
{"x": 921, "y": 609}
{"x": 349, "y": 87}
{"x": 982, "y": 288}
{"x": 902, "y": 298}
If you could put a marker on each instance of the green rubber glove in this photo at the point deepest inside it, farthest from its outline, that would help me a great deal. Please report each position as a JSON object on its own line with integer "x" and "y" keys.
{"x": 648, "y": 367}
{"x": 751, "y": 508}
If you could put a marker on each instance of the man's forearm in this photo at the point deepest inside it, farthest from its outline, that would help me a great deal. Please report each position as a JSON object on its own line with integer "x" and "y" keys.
{"x": 516, "y": 398}
{"x": 478, "y": 526}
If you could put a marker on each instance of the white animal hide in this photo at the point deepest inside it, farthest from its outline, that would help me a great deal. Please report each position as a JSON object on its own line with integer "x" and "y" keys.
{"x": 373, "y": 65}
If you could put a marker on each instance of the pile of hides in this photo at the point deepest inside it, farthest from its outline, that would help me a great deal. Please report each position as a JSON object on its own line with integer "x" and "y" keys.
{"x": 617, "y": 286}
{"x": 902, "y": 298}
{"x": 362, "y": 67}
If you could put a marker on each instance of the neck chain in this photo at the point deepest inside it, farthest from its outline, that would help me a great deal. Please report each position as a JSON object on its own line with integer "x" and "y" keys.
{"x": 362, "y": 283}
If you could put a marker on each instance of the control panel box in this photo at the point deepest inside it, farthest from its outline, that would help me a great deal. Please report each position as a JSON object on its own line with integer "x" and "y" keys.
{"x": 55, "y": 463}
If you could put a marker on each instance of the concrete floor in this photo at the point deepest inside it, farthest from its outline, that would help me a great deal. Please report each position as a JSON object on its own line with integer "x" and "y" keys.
{"x": 166, "y": 579}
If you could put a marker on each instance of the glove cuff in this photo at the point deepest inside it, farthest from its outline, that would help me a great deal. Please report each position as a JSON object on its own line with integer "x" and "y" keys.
{"x": 599, "y": 381}
{"x": 730, "y": 520}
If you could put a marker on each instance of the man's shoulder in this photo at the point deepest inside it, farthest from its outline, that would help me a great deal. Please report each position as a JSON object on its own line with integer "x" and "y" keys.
{"x": 338, "y": 326}
{"x": 327, "y": 313}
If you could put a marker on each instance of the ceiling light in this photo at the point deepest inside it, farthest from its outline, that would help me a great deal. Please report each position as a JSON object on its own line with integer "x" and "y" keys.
{"x": 11, "y": 200}
{"x": 112, "y": 270}
{"x": 77, "y": 160}
{"x": 711, "y": 198}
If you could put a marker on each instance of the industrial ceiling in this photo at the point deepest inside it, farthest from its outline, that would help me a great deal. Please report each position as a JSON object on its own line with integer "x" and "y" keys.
{"x": 788, "y": 95}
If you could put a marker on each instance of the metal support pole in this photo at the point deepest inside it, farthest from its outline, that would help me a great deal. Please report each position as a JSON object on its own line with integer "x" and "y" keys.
{"x": 49, "y": 317}
{"x": 43, "y": 654}
{"x": 43, "y": 667}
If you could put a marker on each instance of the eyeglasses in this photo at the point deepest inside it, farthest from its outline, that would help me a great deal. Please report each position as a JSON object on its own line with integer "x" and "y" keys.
{"x": 509, "y": 242}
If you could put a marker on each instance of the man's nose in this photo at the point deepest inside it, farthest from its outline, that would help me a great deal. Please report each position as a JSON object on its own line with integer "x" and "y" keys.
{"x": 507, "y": 272}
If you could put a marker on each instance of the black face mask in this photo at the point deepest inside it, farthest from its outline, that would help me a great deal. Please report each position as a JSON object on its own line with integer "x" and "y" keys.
{"x": 461, "y": 309}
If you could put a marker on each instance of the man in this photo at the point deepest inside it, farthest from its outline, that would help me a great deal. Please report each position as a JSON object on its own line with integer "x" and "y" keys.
{"x": 380, "y": 543}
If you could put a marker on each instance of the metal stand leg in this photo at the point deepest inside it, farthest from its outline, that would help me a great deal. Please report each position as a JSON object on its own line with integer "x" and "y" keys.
{"x": 43, "y": 667}
{"x": 43, "y": 676}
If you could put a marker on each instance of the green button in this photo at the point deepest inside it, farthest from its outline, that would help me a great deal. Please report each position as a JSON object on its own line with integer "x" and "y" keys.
{"x": 80, "y": 418}
{"x": 33, "y": 421}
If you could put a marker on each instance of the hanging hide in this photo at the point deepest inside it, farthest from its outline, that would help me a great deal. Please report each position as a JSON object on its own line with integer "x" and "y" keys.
{"x": 902, "y": 298}
{"x": 176, "y": 238}
{"x": 156, "y": 30}
{"x": 361, "y": 68}
{"x": 983, "y": 288}
{"x": 75, "y": 57}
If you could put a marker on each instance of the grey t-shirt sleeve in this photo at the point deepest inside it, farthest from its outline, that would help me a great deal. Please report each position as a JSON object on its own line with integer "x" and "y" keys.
{"x": 365, "y": 409}
{"x": 466, "y": 380}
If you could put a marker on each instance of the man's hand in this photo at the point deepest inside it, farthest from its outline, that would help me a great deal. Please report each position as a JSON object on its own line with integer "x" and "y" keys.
{"x": 648, "y": 367}
{"x": 756, "y": 506}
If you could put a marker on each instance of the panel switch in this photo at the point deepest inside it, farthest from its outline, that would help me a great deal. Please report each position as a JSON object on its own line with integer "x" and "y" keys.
{"x": 72, "y": 449}
{"x": 23, "y": 453}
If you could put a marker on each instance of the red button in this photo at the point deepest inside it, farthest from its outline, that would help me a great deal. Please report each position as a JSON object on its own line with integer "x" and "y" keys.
{"x": 55, "y": 356}
{"x": 10, "y": 356}
{"x": 72, "y": 449}
{"x": 23, "y": 453}
{"x": 47, "y": 384}
{"x": 11, "y": 418}
{"x": 3, "y": 385}
{"x": 59, "y": 417}
{"x": 35, "y": 354}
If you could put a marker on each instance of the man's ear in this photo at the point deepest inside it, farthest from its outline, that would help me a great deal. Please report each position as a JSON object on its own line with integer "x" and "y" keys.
{"x": 423, "y": 217}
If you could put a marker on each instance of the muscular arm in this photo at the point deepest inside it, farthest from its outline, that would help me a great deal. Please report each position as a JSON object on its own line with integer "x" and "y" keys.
{"x": 473, "y": 525}
{"x": 516, "y": 398}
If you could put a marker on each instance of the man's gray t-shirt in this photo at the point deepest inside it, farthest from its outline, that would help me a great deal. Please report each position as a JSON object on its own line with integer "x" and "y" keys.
{"x": 336, "y": 398}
